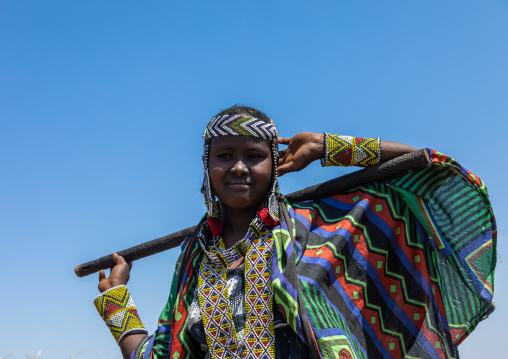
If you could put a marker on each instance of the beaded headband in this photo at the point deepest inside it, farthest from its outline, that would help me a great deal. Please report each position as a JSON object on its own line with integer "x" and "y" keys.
{"x": 237, "y": 125}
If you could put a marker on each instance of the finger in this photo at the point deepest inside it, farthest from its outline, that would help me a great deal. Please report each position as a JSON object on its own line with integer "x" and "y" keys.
{"x": 283, "y": 140}
{"x": 130, "y": 265}
{"x": 283, "y": 169}
{"x": 118, "y": 259}
{"x": 102, "y": 275}
{"x": 283, "y": 162}
{"x": 283, "y": 158}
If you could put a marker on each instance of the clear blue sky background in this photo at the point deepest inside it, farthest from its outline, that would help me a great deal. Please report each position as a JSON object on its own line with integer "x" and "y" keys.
{"x": 103, "y": 104}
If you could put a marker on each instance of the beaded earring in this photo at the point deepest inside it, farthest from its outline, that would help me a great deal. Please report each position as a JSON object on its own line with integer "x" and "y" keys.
{"x": 269, "y": 211}
{"x": 212, "y": 207}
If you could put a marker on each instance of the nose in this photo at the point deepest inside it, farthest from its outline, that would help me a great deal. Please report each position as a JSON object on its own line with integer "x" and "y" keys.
{"x": 239, "y": 168}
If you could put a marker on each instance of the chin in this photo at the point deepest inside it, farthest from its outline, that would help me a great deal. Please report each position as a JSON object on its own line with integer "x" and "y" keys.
{"x": 242, "y": 205}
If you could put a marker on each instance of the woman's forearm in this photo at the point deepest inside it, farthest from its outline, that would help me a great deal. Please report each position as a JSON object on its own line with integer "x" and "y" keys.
{"x": 129, "y": 343}
{"x": 306, "y": 147}
{"x": 391, "y": 149}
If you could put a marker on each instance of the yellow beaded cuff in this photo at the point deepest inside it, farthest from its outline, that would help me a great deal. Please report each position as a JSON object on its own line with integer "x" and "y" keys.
{"x": 117, "y": 309}
{"x": 351, "y": 151}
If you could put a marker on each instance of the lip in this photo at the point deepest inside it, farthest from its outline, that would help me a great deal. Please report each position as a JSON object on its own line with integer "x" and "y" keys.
{"x": 238, "y": 185}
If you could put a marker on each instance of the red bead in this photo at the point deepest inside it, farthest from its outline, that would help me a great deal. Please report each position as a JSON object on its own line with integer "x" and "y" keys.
{"x": 265, "y": 217}
{"x": 215, "y": 226}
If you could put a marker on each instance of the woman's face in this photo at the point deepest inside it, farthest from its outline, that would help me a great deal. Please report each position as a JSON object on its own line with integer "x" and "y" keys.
{"x": 240, "y": 170}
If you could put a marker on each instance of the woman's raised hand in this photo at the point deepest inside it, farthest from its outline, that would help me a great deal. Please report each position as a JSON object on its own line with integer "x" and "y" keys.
{"x": 303, "y": 149}
{"x": 119, "y": 275}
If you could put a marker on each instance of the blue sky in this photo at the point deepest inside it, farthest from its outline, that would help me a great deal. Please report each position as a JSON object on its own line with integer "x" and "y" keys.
{"x": 103, "y": 104}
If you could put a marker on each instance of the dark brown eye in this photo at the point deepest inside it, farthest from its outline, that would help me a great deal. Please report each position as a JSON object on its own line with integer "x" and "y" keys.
{"x": 257, "y": 157}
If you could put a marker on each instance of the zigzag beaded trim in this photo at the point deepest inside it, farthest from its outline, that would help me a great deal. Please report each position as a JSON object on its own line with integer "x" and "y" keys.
{"x": 213, "y": 294}
{"x": 237, "y": 125}
{"x": 351, "y": 151}
{"x": 118, "y": 311}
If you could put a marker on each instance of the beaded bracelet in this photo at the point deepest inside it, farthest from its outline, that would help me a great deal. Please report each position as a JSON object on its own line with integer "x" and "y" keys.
{"x": 351, "y": 151}
{"x": 118, "y": 311}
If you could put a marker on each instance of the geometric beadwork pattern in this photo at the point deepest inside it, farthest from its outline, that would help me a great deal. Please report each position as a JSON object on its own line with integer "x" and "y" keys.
{"x": 118, "y": 311}
{"x": 351, "y": 151}
{"x": 259, "y": 333}
{"x": 219, "y": 328}
{"x": 237, "y": 125}
{"x": 220, "y": 256}
{"x": 213, "y": 294}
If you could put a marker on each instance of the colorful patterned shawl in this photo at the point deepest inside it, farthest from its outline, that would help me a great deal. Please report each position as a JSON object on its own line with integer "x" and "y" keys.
{"x": 393, "y": 269}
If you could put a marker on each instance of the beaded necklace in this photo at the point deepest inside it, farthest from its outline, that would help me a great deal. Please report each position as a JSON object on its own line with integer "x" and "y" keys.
{"x": 221, "y": 336}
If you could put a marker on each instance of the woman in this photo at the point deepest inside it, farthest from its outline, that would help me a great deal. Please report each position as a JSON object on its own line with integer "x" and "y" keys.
{"x": 374, "y": 272}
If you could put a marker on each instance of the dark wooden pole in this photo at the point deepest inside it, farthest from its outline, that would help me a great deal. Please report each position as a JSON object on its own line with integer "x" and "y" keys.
{"x": 379, "y": 172}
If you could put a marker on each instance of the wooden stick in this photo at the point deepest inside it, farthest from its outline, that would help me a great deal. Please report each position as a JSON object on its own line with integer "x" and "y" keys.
{"x": 380, "y": 172}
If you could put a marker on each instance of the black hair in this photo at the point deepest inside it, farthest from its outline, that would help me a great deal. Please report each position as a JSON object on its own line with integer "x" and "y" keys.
{"x": 245, "y": 110}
